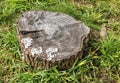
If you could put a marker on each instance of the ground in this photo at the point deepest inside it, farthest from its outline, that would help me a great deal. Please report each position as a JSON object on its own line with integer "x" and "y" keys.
{"x": 101, "y": 62}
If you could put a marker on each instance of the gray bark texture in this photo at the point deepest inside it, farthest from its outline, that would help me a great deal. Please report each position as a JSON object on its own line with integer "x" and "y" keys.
{"x": 49, "y": 39}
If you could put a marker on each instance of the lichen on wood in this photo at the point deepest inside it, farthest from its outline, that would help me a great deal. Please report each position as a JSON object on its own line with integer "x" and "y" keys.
{"x": 26, "y": 42}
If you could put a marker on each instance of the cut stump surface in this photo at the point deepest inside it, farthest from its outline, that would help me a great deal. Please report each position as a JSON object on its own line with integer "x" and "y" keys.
{"x": 50, "y": 39}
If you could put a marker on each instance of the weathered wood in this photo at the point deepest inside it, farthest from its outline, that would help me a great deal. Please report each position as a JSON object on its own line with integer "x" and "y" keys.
{"x": 50, "y": 39}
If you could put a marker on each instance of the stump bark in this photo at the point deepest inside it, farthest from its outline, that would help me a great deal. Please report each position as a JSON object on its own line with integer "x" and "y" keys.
{"x": 49, "y": 39}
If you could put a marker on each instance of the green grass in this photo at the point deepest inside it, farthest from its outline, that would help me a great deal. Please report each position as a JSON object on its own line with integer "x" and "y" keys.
{"x": 101, "y": 64}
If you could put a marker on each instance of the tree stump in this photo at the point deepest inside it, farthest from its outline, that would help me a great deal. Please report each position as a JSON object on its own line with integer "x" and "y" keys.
{"x": 49, "y": 39}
